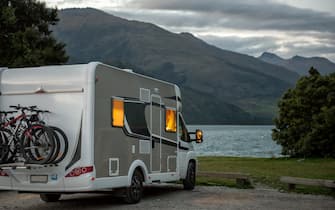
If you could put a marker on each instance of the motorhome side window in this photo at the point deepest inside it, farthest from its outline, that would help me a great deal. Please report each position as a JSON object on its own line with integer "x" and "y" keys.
{"x": 117, "y": 112}
{"x": 133, "y": 113}
{"x": 170, "y": 120}
{"x": 183, "y": 131}
{"x": 135, "y": 117}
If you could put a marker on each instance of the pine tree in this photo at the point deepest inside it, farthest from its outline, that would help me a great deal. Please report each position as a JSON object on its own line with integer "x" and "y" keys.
{"x": 25, "y": 35}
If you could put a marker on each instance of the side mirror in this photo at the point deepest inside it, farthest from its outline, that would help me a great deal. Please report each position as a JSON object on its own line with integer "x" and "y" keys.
{"x": 198, "y": 136}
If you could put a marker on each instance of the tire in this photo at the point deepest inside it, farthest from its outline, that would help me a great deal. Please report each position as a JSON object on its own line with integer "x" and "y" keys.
{"x": 38, "y": 144}
{"x": 189, "y": 181}
{"x": 57, "y": 147}
{"x": 134, "y": 192}
{"x": 63, "y": 144}
{"x": 50, "y": 197}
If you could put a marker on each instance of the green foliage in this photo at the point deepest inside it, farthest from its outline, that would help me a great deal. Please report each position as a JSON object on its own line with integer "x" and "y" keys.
{"x": 305, "y": 126}
{"x": 25, "y": 37}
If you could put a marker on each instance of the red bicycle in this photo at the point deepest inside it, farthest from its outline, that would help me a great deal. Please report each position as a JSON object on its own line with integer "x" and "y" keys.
{"x": 24, "y": 141}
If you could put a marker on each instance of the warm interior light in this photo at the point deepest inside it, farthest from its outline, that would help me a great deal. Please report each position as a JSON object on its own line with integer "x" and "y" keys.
{"x": 170, "y": 120}
{"x": 118, "y": 113}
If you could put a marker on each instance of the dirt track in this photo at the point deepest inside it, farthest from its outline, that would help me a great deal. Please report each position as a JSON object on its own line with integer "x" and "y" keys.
{"x": 173, "y": 197}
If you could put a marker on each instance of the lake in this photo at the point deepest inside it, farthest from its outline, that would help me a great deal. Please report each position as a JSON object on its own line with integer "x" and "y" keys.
{"x": 237, "y": 141}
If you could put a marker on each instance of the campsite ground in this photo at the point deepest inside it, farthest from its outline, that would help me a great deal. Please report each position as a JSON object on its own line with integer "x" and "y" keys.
{"x": 267, "y": 171}
{"x": 171, "y": 196}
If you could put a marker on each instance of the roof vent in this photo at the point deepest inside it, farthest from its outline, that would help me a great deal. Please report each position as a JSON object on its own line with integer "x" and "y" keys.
{"x": 128, "y": 70}
{"x": 40, "y": 90}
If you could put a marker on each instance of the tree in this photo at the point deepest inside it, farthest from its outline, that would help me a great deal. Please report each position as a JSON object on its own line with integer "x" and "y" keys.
{"x": 25, "y": 36}
{"x": 305, "y": 126}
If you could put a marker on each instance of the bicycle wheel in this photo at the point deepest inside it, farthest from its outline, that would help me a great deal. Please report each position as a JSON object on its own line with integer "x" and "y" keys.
{"x": 57, "y": 147}
{"x": 4, "y": 147}
{"x": 38, "y": 144}
{"x": 63, "y": 146}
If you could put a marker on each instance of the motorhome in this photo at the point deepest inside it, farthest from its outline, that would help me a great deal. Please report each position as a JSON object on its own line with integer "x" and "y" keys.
{"x": 124, "y": 130}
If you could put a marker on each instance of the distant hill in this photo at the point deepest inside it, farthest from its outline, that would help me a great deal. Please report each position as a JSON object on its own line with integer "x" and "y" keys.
{"x": 300, "y": 64}
{"x": 218, "y": 86}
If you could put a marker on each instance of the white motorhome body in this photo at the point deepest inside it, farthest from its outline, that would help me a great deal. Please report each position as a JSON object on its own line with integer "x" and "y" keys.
{"x": 81, "y": 99}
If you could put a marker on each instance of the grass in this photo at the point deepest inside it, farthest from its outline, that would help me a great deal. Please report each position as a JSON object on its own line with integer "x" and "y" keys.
{"x": 267, "y": 171}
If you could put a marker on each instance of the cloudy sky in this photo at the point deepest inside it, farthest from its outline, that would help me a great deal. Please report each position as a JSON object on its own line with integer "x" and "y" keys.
{"x": 284, "y": 27}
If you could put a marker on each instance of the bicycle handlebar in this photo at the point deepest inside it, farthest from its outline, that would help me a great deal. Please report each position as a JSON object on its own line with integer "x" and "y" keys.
{"x": 18, "y": 107}
{"x": 40, "y": 111}
{"x": 28, "y": 108}
{"x": 7, "y": 112}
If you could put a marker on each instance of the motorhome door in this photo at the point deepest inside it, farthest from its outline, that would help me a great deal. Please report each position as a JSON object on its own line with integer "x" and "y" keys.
{"x": 156, "y": 132}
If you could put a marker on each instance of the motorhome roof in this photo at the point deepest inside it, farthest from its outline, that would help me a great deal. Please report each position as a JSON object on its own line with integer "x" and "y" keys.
{"x": 55, "y": 76}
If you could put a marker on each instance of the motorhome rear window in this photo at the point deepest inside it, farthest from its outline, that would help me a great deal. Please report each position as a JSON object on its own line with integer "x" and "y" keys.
{"x": 135, "y": 116}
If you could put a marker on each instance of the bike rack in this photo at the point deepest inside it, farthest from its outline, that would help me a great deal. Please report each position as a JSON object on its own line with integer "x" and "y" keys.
{"x": 13, "y": 166}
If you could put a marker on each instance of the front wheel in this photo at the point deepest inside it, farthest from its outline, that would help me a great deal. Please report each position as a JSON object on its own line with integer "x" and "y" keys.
{"x": 50, "y": 197}
{"x": 134, "y": 192}
{"x": 189, "y": 181}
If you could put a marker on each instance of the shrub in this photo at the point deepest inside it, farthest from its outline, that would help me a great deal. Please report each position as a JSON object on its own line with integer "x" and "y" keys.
{"x": 305, "y": 126}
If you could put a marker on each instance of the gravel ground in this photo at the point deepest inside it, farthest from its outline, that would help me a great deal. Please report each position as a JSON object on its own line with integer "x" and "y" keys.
{"x": 174, "y": 197}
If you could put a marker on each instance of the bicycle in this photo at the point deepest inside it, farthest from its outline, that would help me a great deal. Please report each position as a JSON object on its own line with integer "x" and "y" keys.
{"x": 9, "y": 134}
{"x": 4, "y": 148}
{"x": 23, "y": 141}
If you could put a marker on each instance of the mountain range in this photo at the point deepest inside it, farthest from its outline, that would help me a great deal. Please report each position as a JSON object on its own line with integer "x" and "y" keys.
{"x": 300, "y": 64}
{"x": 218, "y": 86}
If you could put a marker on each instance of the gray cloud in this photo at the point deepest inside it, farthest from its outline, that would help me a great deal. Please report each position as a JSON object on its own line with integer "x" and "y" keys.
{"x": 301, "y": 31}
{"x": 249, "y": 27}
{"x": 257, "y": 45}
{"x": 252, "y": 14}
{"x": 310, "y": 50}
{"x": 251, "y": 45}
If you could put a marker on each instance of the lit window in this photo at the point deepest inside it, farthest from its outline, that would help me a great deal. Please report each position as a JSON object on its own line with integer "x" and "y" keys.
{"x": 170, "y": 120}
{"x": 118, "y": 113}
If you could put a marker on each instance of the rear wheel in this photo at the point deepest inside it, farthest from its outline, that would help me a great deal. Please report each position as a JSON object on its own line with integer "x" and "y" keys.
{"x": 135, "y": 190}
{"x": 189, "y": 181}
{"x": 57, "y": 147}
{"x": 63, "y": 144}
{"x": 38, "y": 144}
{"x": 50, "y": 197}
